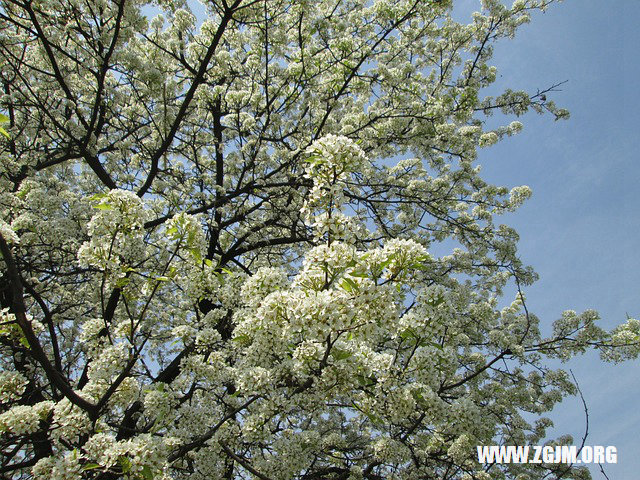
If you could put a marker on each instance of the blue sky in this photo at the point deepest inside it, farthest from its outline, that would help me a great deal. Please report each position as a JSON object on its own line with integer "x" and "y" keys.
{"x": 581, "y": 228}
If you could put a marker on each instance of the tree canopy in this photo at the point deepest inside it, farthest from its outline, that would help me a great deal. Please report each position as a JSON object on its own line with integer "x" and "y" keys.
{"x": 216, "y": 222}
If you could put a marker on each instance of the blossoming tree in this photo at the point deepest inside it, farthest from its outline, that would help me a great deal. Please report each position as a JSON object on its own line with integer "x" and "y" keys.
{"x": 215, "y": 227}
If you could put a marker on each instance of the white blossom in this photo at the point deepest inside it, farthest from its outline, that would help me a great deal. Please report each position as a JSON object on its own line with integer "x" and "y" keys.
{"x": 225, "y": 223}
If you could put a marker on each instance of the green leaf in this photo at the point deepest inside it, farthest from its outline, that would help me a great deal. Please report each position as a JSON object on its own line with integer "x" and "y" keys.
{"x": 3, "y": 118}
{"x": 90, "y": 466}
{"x": 418, "y": 397}
{"x": 349, "y": 285}
{"x": 103, "y": 206}
{"x": 147, "y": 474}
{"x": 419, "y": 266}
{"x": 408, "y": 333}
{"x": 365, "y": 381}
{"x": 242, "y": 339}
{"x": 359, "y": 274}
{"x": 346, "y": 286}
{"x": 162, "y": 279}
{"x": 125, "y": 464}
{"x": 196, "y": 254}
{"x": 338, "y": 354}
{"x": 4, "y": 132}
{"x": 123, "y": 282}
{"x": 351, "y": 264}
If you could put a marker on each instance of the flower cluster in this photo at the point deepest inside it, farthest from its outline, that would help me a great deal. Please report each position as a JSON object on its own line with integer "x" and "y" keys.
{"x": 23, "y": 419}
{"x": 116, "y": 233}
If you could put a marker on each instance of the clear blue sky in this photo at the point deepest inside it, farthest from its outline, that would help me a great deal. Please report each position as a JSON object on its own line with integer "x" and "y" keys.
{"x": 581, "y": 229}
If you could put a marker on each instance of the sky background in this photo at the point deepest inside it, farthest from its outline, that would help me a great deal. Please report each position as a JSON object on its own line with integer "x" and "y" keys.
{"x": 581, "y": 228}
